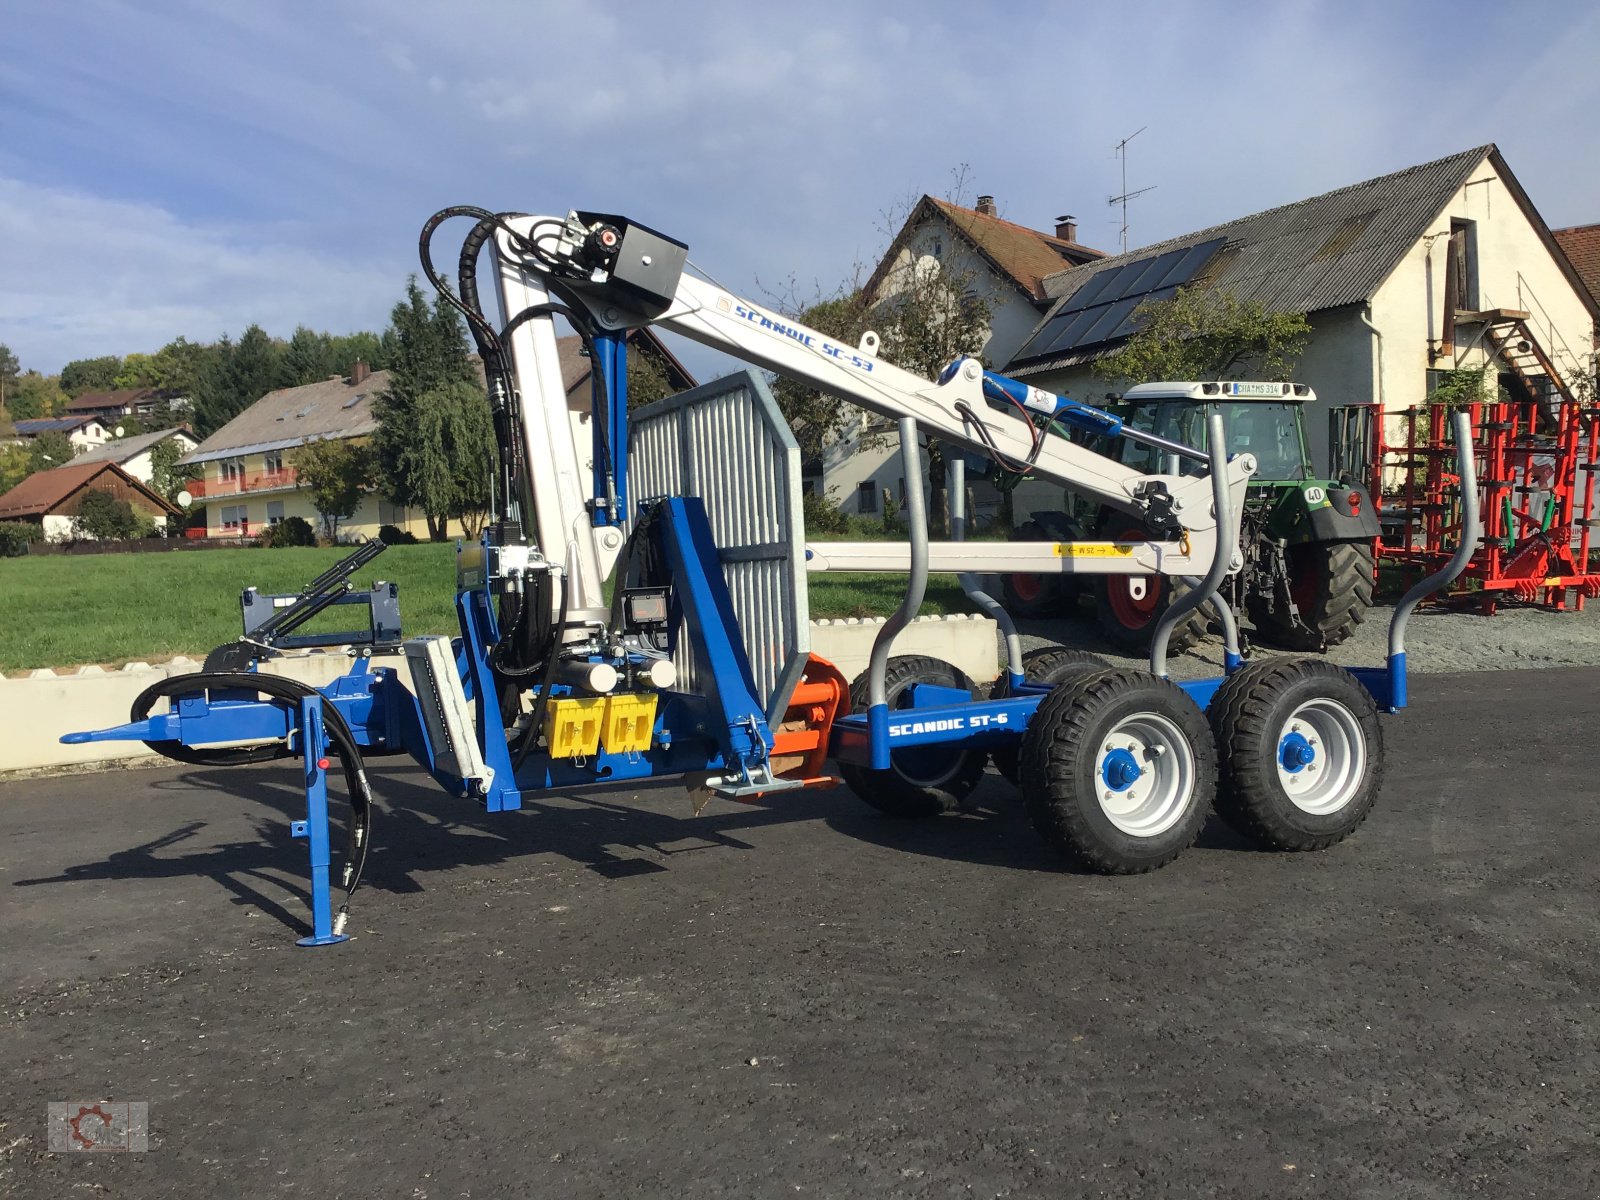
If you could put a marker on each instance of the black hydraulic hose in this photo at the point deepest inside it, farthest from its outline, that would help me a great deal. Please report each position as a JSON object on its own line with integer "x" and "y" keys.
{"x": 530, "y": 738}
{"x": 291, "y": 691}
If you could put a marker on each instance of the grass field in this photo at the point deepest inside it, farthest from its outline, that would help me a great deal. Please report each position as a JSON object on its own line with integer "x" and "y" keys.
{"x": 62, "y": 610}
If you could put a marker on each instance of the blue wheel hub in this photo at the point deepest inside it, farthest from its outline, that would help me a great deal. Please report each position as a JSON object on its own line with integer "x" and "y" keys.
{"x": 1295, "y": 753}
{"x": 1120, "y": 770}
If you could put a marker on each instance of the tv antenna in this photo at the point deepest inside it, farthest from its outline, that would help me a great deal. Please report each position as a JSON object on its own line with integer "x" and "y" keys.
{"x": 1122, "y": 154}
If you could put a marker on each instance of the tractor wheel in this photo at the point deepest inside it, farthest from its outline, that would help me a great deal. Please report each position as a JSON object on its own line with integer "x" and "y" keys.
{"x": 1128, "y": 606}
{"x": 1302, "y": 753}
{"x": 921, "y": 781}
{"x": 1119, "y": 770}
{"x": 1029, "y": 595}
{"x": 1331, "y": 583}
{"x": 1053, "y": 665}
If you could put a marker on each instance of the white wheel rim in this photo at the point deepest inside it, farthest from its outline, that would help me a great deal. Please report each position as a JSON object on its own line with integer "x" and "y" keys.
{"x": 1321, "y": 756}
{"x": 1152, "y": 800}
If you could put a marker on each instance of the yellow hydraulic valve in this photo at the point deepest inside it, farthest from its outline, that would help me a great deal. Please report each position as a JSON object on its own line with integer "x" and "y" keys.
{"x": 572, "y": 726}
{"x": 629, "y": 723}
{"x": 578, "y": 726}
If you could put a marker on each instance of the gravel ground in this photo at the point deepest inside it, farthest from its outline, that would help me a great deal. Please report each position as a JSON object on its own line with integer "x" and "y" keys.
{"x": 1436, "y": 640}
{"x": 601, "y": 996}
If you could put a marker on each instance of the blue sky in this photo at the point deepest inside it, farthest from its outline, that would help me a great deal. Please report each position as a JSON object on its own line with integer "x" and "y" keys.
{"x": 191, "y": 167}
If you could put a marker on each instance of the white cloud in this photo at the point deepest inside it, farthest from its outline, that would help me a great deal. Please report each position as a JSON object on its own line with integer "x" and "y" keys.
{"x": 110, "y": 277}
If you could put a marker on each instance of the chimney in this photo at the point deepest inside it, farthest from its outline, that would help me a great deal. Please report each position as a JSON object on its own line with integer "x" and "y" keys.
{"x": 359, "y": 372}
{"x": 1067, "y": 228}
{"x": 986, "y": 206}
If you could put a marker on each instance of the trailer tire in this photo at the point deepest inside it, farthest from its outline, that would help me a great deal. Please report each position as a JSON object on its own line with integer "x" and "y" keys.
{"x": 921, "y": 781}
{"x": 1301, "y": 752}
{"x": 1043, "y": 664}
{"x": 1119, "y": 770}
{"x": 1331, "y": 583}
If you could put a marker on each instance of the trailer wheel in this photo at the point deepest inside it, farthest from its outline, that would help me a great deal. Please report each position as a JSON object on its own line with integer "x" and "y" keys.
{"x": 1302, "y": 753}
{"x": 1119, "y": 770}
{"x": 921, "y": 781}
{"x": 1043, "y": 664}
{"x": 1128, "y": 606}
{"x": 1331, "y": 584}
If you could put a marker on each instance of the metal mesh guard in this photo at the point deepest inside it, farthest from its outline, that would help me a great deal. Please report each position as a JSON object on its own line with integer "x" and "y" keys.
{"x": 727, "y": 443}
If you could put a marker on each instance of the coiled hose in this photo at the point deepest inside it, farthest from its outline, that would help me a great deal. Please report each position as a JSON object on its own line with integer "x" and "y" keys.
{"x": 290, "y": 691}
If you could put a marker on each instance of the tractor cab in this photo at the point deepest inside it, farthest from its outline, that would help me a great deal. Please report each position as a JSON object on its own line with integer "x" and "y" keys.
{"x": 1263, "y": 419}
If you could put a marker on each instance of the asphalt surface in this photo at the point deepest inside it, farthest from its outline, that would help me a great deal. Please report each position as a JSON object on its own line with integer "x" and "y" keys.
{"x": 608, "y": 997}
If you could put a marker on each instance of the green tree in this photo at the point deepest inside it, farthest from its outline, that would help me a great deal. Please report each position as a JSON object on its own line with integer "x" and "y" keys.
{"x": 15, "y": 466}
{"x": 232, "y": 376}
{"x": 816, "y": 417}
{"x": 1202, "y": 334}
{"x": 171, "y": 369}
{"x": 90, "y": 375}
{"x": 166, "y": 476}
{"x": 647, "y": 378}
{"x": 102, "y": 516}
{"x": 49, "y": 450}
{"x": 434, "y": 444}
{"x": 308, "y": 358}
{"x": 336, "y": 471}
{"x": 9, "y": 369}
{"x": 34, "y": 395}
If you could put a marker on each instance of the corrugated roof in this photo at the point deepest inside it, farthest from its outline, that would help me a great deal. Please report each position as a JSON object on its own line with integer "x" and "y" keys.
{"x": 1324, "y": 252}
{"x": 42, "y": 491}
{"x": 34, "y": 426}
{"x": 334, "y": 408}
{"x": 1025, "y": 256}
{"x": 123, "y": 449}
{"x": 1581, "y": 244}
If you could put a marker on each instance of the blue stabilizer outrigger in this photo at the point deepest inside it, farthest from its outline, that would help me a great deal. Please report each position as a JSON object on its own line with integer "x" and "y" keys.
{"x": 696, "y": 662}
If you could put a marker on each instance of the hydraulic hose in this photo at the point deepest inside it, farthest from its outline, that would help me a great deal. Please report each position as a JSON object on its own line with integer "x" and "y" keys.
{"x": 290, "y": 691}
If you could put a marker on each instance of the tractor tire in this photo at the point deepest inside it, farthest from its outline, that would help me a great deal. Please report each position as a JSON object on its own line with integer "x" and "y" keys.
{"x": 1025, "y": 594}
{"x": 1119, "y": 770}
{"x": 1128, "y": 620}
{"x": 1331, "y": 583}
{"x": 1043, "y": 664}
{"x": 1302, "y": 753}
{"x": 921, "y": 781}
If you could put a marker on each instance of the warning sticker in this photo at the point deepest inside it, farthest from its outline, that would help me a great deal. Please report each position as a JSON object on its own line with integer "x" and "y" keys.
{"x": 1096, "y": 549}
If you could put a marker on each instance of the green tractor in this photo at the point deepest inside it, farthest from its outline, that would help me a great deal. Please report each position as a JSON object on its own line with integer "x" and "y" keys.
{"x": 1307, "y": 542}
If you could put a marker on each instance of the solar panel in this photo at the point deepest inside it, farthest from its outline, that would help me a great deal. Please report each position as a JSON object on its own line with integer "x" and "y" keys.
{"x": 1102, "y": 309}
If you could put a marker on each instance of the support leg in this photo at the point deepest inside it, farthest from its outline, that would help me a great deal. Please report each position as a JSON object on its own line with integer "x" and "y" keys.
{"x": 314, "y": 828}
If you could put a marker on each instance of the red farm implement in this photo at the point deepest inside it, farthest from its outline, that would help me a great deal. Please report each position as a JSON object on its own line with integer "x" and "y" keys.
{"x": 1536, "y": 451}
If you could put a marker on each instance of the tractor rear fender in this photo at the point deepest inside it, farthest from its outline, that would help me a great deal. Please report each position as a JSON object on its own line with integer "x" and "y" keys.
{"x": 1324, "y": 512}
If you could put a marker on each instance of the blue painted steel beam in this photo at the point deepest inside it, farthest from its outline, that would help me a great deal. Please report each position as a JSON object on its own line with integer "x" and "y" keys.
{"x": 314, "y": 748}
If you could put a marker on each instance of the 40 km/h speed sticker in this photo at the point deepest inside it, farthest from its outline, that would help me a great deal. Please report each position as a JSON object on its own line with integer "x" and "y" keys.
{"x": 1096, "y": 549}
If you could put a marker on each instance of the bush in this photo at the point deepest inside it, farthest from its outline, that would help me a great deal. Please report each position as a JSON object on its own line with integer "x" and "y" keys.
{"x": 17, "y": 536}
{"x": 393, "y": 535}
{"x": 291, "y": 531}
{"x": 822, "y": 515}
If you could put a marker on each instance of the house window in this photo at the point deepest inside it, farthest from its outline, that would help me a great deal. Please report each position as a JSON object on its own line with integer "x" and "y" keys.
{"x": 866, "y": 496}
{"x": 233, "y": 468}
{"x": 233, "y": 516}
{"x": 391, "y": 514}
{"x": 274, "y": 511}
{"x": 272, "y": 462}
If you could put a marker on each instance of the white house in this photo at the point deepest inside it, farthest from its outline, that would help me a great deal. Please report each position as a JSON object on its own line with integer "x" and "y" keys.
{"x": 1401, "y": 277}
{"x": 1007, "y": 264}
{"x": 132, "y": 454}
{"x": 85, "y": 433}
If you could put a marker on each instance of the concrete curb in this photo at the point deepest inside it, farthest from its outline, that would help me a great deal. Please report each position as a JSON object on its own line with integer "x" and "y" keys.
{"x": 37, "y": 709}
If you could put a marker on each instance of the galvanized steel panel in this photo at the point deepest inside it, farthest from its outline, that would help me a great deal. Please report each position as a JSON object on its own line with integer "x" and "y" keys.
{"x": 727, "y": 443}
